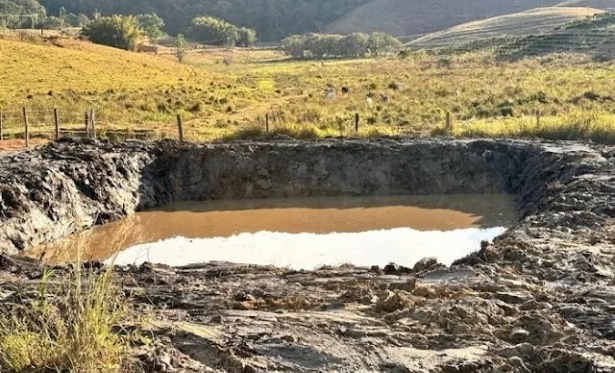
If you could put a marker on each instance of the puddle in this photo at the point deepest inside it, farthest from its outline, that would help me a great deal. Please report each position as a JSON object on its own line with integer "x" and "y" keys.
{"x": 299, "y": 233}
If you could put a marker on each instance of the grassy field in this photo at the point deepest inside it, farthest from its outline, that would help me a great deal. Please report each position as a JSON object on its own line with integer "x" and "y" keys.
{"x": 144, "y": 93}
{"x": 524, "y": 23}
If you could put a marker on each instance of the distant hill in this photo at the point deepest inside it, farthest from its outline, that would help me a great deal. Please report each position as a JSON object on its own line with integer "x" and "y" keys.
{"x": 419, "y": 17}
{"x": 594, "y": 36}
{"x": 600, "y": 4}
{"x": 529, "y": 22}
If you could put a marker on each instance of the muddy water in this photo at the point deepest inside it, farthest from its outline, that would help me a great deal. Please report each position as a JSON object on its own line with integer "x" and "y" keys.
{"x": 297, "y": 232}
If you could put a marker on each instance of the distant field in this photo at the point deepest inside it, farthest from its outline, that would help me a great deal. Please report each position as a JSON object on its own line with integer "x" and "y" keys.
{"x": 418, "y": 17}
{"x": 144, "y": 93}
{"x": 533, "y": 21}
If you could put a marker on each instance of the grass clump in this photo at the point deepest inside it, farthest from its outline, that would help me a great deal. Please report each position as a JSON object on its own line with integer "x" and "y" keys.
{"x": 595, "y": 126}
{"x": 72, "y": 330}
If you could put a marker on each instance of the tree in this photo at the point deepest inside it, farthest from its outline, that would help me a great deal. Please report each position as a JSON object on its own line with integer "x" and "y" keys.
{"x": 214, "y": 31}
{"x": 247, "y": 37}
{"x": 180, "y": 48}
{"x": 151, "y": 24}
{"x": 62, "y": 15}
{"x": 115, "y": 31}
{"x": 294, "y": 46}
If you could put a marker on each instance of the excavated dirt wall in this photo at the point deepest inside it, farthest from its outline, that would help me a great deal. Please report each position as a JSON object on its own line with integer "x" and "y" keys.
{"x": 49, "y": 192}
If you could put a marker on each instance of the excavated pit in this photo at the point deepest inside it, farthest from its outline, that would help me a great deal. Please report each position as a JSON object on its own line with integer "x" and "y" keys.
{"x": 539, "y": 299}
{"x": 67, "y": 186}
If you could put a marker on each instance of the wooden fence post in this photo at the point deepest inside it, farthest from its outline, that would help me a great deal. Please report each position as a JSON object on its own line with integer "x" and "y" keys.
{"x": 56, "y": 123}
{"x": 356, "y": 122}
{"x": 25, "y": 122}
{"x": 87, "y": 124}
{"x": 267, "y": 122}
{"x": 1, "y": 126}
{"x": 180, "y": 128}
{"x": 93, "y": 124}
{"x": 537, "y": 118}
{"x": 449, "y": 124}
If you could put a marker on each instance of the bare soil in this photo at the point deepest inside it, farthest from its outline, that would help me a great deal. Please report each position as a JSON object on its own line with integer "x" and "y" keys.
{"x": 538, "y": 299}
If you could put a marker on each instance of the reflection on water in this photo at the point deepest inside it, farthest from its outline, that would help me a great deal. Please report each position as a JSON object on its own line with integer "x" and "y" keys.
{"x": 306, "y": 231}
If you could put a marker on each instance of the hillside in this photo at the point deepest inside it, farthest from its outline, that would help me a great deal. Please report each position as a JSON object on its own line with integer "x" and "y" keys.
{"x": 414, "y": 17}
{"x": 273, "y": 20}
{"x": 600, "y": 4}
{"x": 533, "y": 21}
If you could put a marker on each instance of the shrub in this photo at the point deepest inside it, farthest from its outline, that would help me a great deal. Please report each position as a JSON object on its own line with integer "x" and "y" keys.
{"x": 115, "y": 31}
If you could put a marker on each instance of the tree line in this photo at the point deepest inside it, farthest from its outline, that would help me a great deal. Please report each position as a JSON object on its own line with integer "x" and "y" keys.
{"x": 273, "y": 20}
{"x": 320, "y": 46}
{"x": 31, "y": 14}
{"x": 125, "y": 31}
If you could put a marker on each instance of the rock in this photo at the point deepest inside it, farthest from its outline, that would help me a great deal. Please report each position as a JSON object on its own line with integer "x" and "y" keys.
{"x": 522, "y": 350}
{"x": 513, "y": 297}
{"x": 244, "y": 297}
{"x": 518, "y": 335}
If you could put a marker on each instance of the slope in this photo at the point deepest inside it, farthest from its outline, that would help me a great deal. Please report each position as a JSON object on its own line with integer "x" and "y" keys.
{"x": 417, "y": 17}
{"x": 600, "y": 4}
{"x": 533, "y": 21}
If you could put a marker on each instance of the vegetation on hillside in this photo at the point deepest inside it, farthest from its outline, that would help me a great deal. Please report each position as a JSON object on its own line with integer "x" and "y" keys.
{"x": 116, "y": 31}
{"x": 213, "y": 31}
{"x": 594, "y": 36}
{"x": 31, "y": 14}
{"x": 273, "y": 20}
{"x": 535, "y": 21}
{"x": 319, "y": 46}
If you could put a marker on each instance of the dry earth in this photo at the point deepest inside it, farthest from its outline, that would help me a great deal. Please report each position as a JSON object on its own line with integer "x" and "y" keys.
{"x": 539, "y": 299}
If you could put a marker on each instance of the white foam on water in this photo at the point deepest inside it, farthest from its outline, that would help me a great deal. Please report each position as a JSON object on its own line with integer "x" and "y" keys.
{"x": 404, "y": 246}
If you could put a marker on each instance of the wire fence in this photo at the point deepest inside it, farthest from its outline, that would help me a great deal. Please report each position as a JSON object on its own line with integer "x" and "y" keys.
{"x": 22, "y": 127}
{"x": 53, "y": 123}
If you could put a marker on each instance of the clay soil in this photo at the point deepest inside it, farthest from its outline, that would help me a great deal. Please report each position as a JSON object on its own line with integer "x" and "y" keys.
{"x": 539, "y": 298}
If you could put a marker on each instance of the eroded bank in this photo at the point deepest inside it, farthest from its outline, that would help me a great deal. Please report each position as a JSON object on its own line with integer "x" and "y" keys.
{"x": 52, "y": 191}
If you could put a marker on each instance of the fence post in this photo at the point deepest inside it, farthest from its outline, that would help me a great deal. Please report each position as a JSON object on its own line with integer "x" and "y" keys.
{"x": 87, "y": 124}
{"x": 356, "y": 122}
{"x": 56, "y": 123}
{"x": 537, "y": 118}
{"x": 267, "y": 122}
{"x": 93, "y": 124}
{"x": 1, "y": 126}
{"x": 180, "y": 128}
{"x": 449, "y": 125}
{"x": 25, "y": 122}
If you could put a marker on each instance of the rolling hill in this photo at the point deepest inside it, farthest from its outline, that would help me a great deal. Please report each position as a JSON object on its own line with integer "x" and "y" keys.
{"x": 417, "y": 17}
{"x": 533, "y": 21}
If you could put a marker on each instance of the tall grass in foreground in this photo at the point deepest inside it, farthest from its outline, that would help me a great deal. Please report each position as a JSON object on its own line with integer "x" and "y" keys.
{"x": 68, "y": 329}
{"x": 596, "y": 126}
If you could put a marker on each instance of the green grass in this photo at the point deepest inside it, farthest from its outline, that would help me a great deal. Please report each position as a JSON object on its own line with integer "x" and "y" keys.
{"x": 140, "y": 93}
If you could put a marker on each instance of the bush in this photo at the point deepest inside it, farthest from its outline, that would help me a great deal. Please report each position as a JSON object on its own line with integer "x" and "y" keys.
{"x": 247, "y": 37}
{"x": 214, "y": 31}
{"x": 116, "y": 31}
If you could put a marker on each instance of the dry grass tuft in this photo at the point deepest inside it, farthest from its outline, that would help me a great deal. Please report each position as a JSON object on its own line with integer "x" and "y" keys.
{"x": 69, "y": 330}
